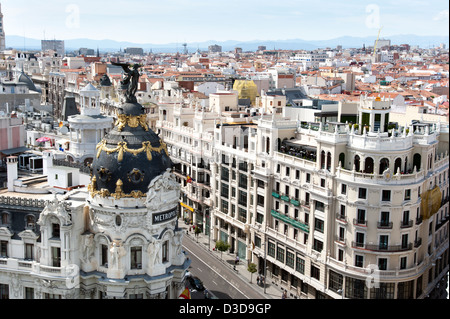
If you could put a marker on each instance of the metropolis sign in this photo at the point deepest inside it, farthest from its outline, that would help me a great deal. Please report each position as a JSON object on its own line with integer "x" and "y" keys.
{"x": 165, "y": 216}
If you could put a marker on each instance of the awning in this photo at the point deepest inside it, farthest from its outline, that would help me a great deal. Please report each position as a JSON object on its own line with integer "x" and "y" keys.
{"x": 15, "y": 150}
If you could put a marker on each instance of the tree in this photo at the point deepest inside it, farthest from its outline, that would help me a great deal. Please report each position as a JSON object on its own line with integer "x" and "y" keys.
{"x": 222, "y": 246}
{"x": 252, "y": 269}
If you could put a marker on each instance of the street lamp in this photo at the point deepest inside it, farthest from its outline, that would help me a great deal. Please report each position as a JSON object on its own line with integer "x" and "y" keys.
{"x": 265, "y": 262}
{"x": 208, "y": 223}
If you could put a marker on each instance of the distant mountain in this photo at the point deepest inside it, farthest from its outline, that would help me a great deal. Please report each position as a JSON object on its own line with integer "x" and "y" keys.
{"x": 22, "y": 43}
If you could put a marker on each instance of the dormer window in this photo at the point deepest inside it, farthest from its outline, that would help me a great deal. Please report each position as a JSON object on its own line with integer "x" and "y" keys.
{"x": 55, "y": 230}
{"x": 30, "y": 222}
{"x": 4, "y": 218}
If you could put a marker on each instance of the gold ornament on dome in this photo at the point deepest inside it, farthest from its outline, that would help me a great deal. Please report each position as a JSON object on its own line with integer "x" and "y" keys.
{"x": 122, "y": 147}
{"x": 132, "y": 121}
{"x": 92, "y": 188}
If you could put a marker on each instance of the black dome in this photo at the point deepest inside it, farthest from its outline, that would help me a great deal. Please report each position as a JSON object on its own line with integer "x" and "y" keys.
{"x": 132, "y": 153}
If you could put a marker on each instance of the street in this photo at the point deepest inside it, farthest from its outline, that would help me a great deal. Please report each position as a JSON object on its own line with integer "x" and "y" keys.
{"x": 221, "y": 281}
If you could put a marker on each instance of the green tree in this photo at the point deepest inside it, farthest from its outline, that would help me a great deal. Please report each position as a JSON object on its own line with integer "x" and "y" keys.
{"x": 252, "y": 269}
{"x": 222, "y": 246}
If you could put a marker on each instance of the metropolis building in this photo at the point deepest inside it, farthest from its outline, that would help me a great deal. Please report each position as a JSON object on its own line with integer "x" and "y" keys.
{"x": 116, "y": 238}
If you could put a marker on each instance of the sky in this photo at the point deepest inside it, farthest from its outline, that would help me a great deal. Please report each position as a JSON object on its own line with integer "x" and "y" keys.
{"x": 169, "y": 21}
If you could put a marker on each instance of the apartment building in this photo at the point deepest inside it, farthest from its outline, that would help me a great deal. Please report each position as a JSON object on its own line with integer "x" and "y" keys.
{"x": 332, "y": 210}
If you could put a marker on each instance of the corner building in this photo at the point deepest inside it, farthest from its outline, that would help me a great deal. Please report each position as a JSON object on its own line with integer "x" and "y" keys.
{"x": 333, "y": 210}
{"x": 119, "y": 239}
{"x": 354, "y": 211}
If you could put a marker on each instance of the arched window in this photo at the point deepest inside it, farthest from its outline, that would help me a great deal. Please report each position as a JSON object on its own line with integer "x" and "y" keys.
{"x": 417, "y": 160}
{"x": 384, "y": 164}
{"x": 329, "y": 161}
{"x": 322, "y": 159}
{"x": 397, "y": 165}
{"x": 356, "y": 163}
{"x": 342, "y": 159}
{"x": 368, "y": 165}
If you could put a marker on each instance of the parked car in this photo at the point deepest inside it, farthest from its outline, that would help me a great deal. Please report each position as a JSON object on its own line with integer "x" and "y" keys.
{"x": 196, "y": 283}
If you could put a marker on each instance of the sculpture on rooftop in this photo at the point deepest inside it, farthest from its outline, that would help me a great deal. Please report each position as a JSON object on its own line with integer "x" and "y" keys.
{"x": 130, "y": 81}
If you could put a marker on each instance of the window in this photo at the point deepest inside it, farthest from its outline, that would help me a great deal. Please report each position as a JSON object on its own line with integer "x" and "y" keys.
{"x": 359, "y": 239}
{"x": 343, "y": 189}
{"x": 104, "y": 256}
{"x": 319, "y": 206}
{"x": 56, "y": 257}
{"x": 224, "y": 190}
{"x": 29, "y": 251}
{"x": 386, "y": 195}
{"x": 405, "y": 219}
{"x": 4, "y": 291}
{"x": 384, "y": 291}
{"x": 340, "y": 255}
{"x": 29, "y": 293}
{"x": 136, "y": 257}
{"x": 322, "y": 182}
{"x": 3, "y": 248}
{"x": 382, "y": 263}
{"x": 335, "y": 281}
{"x": 165, "y": 251}
{"x": 308, "y": 177}
{"x": 404, "y": 241}
{"x": 342, "y": 211}
{"x": 318, "y": 225}
{"x": 55, "y": 230}
{"x": 259, "y": 218}
{"x": 361, "y": 217}
{"x": 403, "y": 261}
{"x": 359, "y": 261}
{"x": 355, "y": 288}
{"x": 317, "y": 245}
{"x": 315, "y": 272}
{"x": 362, "y": 193}
{"x": 384, "y": 222}
{"x": 280, "y": 254}
{"x": 300, "y": 265}
{"x": 5, "y": 217}
{"x": 407, "y": 194}
{"x": 384, "y": 242}
{"x": 224, "y": 207}
{"x": 242, "y": 200}
{"x": 271, "y": 249}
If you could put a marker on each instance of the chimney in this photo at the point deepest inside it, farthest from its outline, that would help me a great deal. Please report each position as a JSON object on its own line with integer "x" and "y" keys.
{"x": 12, "y": 171}
{"x": 47, "y": 161}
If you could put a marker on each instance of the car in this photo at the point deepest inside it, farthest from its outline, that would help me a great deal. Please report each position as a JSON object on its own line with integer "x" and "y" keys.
{"x": 196, "y": 283}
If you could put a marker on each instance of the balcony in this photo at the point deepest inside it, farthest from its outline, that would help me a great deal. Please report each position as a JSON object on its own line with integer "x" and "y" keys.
{"x": 419, "y": 220}
{"x": 417, "y": 242}
{"x": 384, "y": 225}
{"x": 359, "y": 222}
{"x": 406, "y": 224}
{"x": 341, "y": 217}
{"x": 340, "y": 240}
{"x": 382, "y": 247}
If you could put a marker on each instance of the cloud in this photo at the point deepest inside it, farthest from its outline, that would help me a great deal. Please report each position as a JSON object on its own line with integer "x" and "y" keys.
{"x": 441, "y": 16}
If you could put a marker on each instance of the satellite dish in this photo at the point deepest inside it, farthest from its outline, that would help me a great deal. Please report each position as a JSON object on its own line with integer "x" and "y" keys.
{"x": 64, "y": 130}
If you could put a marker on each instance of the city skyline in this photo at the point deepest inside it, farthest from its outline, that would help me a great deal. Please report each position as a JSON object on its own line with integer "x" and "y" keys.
{"x": 175, "y": 21}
